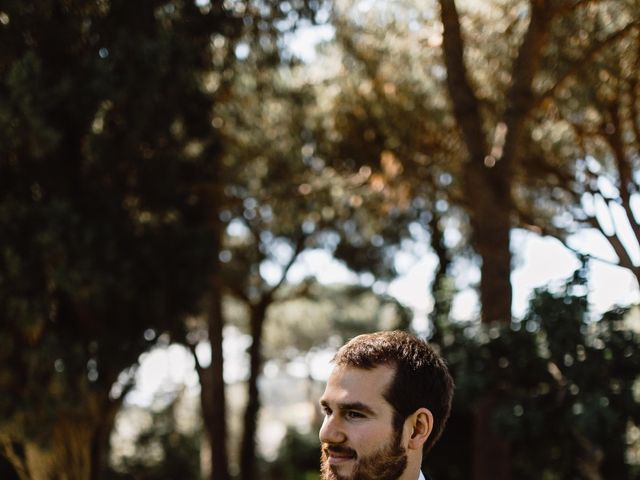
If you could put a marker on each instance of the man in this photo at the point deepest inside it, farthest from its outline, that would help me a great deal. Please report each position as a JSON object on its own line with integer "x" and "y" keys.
{"x": 386, "y": 403}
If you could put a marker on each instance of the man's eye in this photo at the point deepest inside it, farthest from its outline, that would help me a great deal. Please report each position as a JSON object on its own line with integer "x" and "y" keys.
{"x": 326, "y": 411}
{"x": 351, "y": 414}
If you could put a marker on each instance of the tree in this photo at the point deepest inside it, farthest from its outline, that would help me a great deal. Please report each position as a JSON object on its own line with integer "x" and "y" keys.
{"x": 264, "y": 228}
{"x": 587, "y": 165}
{"x": 503, "y": 66}
{"x": 279, "y": 201}
{"x": 490, "y": 175}
{"x": 297, "y": 457}
{"x": 529, "y": 83}
{"x": 311, "y": 316}
{"x": 251, "y": 192}
{"x": 564, "y": 401}
{"x": 104, "y": 137}
{"x": 544, "y": 68}
{"x": 165, "y": 450}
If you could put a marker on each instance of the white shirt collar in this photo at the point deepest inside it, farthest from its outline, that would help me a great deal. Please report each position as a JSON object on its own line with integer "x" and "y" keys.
{"x": 421, "y": 477}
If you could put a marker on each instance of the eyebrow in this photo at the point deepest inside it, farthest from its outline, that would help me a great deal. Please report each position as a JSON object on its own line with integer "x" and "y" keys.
{"x": 344, "y": 406}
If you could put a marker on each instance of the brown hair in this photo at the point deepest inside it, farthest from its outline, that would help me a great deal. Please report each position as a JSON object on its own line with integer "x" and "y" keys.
{"x": 421, "y": 377}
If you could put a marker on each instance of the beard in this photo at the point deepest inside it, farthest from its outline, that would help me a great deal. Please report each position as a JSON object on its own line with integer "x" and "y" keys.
{"x": 387, "y": 463}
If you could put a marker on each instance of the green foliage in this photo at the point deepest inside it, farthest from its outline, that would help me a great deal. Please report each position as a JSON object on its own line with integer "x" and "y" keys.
{"x": 163, "y": 451}
{"x": 105, "y": 144}
{"x": 563, "y": 385}
{"x": 313, "y": 316}
{"x": 298, "y": 458}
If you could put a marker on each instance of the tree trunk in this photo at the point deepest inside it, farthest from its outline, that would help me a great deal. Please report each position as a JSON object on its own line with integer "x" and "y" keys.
{"x": 248, "y": 447}
{"x": 212, "y": 387}
{"x": 212, "y": 393}
{"x": 488, "y": 191}
{"x": 100, "y": 445}
{"x": 441, "y": 290}
{"x": 486, "y": 179}
{"x": 76, "y": 447}
{"x": 487, "y": 185}
{"x": 66, "y": 455}
{"x": 491, "y": 454}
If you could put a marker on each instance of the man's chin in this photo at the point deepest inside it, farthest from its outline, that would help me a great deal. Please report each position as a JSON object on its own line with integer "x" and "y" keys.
{"x": 344, "y": 464}
{"x": 337, "y": 469}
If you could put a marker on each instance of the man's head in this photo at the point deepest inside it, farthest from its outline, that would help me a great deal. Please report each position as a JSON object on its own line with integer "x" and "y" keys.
{"x": 386, "y": 403}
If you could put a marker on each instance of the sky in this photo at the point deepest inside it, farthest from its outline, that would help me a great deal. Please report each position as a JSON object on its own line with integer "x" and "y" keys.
{"x": 539, "y": 262}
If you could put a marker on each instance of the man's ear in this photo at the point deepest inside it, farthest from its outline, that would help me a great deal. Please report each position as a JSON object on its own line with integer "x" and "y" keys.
{"x": 421, "y": 426}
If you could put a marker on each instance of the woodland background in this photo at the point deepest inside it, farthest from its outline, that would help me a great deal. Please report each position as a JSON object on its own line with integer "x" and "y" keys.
{"x": 165, "y": 163}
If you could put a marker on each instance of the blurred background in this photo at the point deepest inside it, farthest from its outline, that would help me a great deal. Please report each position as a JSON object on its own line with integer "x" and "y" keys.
{"x": 200, "y": 201}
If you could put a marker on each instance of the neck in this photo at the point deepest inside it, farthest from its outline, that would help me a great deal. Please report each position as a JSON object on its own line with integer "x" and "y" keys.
{"x": 412, "y": 471}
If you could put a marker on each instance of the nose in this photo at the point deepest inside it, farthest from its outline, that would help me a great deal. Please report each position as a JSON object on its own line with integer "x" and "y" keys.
{"x": 331, "y": 430}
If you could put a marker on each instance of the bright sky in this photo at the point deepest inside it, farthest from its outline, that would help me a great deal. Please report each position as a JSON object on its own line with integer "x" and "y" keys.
{"x": 539, "y": 262}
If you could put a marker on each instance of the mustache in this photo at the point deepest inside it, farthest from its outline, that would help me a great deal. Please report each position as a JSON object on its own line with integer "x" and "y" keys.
{"x": 338, "y": 449}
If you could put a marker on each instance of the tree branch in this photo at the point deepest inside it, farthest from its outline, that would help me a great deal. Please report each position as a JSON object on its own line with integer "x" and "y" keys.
{"x": 238, "y": 292}
{"x": 299, "y": 247}
{"x": 520, "y": 98}
{"x": 585, "y": 61}
{"x": 19, "y": 464}
{"x": 623, "y": 164}
{"x": 634, "y": 102}
{"x": 199, "y": 367}
{"x": 616, "y": 244}
{"x": 635, "y": 114}
{"x": 567, "y": 9}
{"x": 466, "y": 106}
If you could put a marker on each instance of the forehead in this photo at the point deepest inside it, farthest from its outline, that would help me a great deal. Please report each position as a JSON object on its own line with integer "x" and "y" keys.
{"x": 352, "y": 385}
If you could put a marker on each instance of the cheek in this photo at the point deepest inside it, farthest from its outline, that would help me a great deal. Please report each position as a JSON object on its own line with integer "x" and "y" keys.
{"x": 370, "y": 439}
